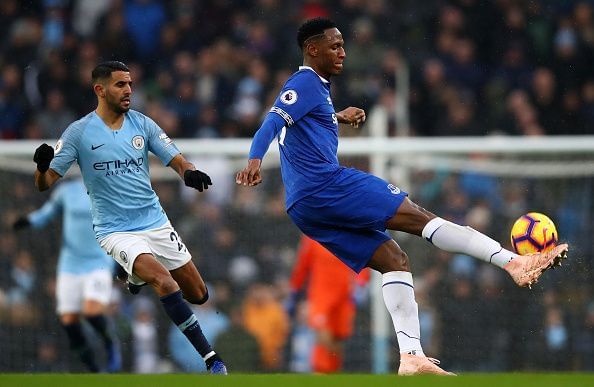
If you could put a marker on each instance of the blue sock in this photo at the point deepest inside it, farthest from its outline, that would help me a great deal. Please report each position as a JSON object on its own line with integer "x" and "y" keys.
{"x": 180, "y": 313}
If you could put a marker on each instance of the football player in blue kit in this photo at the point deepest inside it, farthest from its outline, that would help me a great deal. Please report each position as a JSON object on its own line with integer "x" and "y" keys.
{"x": 348, "y": 211}
{"x": 84, "y": 272}
{"x": 111, "y": 146}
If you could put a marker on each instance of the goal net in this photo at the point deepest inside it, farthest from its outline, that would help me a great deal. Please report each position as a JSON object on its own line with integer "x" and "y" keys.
{"x": 472, "y": 316}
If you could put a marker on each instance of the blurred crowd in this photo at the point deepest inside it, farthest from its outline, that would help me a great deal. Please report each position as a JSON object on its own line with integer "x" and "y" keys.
{"x": 211, "y": 69}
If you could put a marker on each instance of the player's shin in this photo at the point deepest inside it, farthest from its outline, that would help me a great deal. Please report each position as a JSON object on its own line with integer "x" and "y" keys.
{"x": 180, "y": 313}
{"x": 399, "y": 297}
{"x": 454, "y": 238}
{"x": 78, "y": 343}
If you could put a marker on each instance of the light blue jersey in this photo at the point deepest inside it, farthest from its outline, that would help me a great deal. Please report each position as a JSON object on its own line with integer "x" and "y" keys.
{"x": 115, "y": 169}
{"x": 80, "y": 251}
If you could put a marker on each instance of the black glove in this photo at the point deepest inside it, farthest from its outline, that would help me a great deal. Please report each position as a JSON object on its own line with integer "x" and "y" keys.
{"x": 197, "y": 179}
{"x": 21, "y": 223}
{"x": 43, "y": 156}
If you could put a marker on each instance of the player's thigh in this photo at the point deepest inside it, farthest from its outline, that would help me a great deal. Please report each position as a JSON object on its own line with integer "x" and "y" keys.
{"x": 97, "y": 291}
{"x": 125, "y": 248}
{"x": 354, "y": 247}
{"x": 190, "y": 281}
{"x": 361, "y": 201}
{"x": 168, "y": 247}
{"x": 410, "y": 218}
{"x": 69, "y": 293}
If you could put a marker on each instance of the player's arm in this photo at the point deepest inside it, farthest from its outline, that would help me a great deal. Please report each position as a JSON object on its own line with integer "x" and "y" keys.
{"x": 188, "y": 172}
{"x": 251, "y": 174}
{"x": 42, "y": 216}
{"x": 352, "y": 116}
{"x": 44, "y": 176}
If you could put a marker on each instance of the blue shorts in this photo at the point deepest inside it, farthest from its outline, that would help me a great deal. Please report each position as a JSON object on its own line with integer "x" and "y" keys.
{"x": 349, "y": 216}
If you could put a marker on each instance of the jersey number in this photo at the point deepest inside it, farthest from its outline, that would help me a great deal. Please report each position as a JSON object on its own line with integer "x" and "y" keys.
{"x": 175, "y": 238}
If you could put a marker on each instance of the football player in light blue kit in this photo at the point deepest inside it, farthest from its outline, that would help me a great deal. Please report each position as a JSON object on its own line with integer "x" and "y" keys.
{"x": 84, "y": 272}
{"x": 111, "y": 146}
{"x": 348, "y": 211}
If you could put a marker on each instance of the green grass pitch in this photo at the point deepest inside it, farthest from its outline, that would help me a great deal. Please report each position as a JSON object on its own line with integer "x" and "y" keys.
{"x": 293, "y": 380}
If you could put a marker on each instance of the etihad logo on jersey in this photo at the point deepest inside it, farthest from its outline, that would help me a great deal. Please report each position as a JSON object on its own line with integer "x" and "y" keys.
{"x": 119, "y": 167}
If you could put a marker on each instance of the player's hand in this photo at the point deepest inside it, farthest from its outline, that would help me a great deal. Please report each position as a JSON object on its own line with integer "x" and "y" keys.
{"x": 197, "y": 179}
{"x": 250, "y": 175}
{"x": 20, "y": 223}
{"x": 43, "y": 156}
{"x": 353, "y": 116}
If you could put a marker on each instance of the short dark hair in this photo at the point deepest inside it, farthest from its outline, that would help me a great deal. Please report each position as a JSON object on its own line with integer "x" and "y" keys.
{"x": 313, "y": 27}
{"x": 104, "y": 69}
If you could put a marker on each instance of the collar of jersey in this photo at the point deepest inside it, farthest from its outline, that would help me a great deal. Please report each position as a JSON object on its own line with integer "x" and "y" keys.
{"x": 309, "y": 68}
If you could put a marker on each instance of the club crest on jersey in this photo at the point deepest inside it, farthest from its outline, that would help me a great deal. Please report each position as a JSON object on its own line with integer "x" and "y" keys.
{"x": 289, "y": 97}
{"x": 58, "y": 146}
{"x": 138, "y": 142}
{"x": 393, "y": 189}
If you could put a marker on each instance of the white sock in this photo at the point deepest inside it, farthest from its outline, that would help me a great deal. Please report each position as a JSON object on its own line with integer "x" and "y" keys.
{"x": 453, "y": 238}
{"x": 399, "y": 297}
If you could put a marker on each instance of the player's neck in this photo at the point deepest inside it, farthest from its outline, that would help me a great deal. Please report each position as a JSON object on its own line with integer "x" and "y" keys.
{"x": 112, "y": 119}
{"x": 317, "y": 71}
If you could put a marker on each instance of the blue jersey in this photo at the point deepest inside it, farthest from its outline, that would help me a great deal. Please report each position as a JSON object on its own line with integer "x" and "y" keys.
{"x": 115, "y": 170}
{"x": 80, "y": 251}
{"x": 308, "y": 142}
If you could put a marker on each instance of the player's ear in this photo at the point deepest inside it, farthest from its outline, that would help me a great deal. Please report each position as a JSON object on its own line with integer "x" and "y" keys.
{"x": 99, "y": 90}
{"x": 312, "y": 49}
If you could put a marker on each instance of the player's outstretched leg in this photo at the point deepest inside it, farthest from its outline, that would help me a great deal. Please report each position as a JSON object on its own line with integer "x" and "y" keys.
{"x": 524, "y": 269}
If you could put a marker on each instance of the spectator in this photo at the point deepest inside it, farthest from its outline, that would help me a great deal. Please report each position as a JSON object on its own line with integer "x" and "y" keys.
{"x": 265, "y": 318}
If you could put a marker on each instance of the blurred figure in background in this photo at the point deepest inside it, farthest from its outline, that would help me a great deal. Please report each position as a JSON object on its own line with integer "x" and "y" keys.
{"x": 84, "y": 273}
{"x": 330, "y": 300}
{"x": 264, "y": 317}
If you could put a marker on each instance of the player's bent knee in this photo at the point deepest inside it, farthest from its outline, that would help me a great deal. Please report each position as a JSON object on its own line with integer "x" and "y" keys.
{"x": 198, "y": 300}
{"x": 164, "y": 282}
{"x": 400, "y": 261}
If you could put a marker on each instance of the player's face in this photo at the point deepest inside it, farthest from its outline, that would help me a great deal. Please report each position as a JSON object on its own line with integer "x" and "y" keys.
{"x": 118, "y": 91}
{"x": 331, "y": 53}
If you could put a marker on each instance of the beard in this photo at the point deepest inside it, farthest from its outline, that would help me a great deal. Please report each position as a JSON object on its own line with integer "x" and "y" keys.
{"x": 116, "y": 106}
